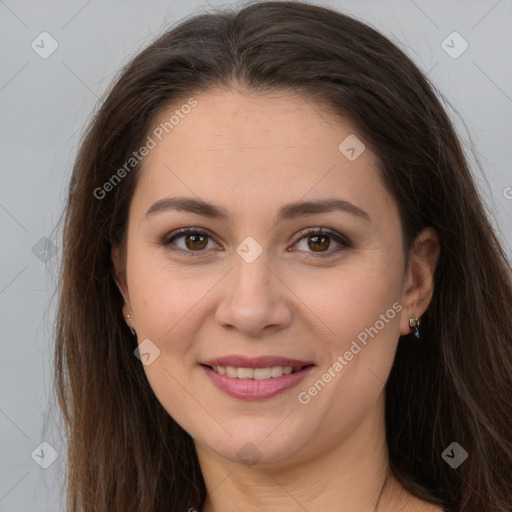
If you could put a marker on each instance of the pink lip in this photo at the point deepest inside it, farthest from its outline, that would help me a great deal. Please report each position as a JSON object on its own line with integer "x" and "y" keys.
{"x": 254, "y": 389}
{"x": 256, "y": 362}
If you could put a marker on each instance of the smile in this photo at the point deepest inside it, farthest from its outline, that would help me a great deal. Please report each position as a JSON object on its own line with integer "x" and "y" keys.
{"x": 259, "y": 383}
{"x": 270, "y": 372}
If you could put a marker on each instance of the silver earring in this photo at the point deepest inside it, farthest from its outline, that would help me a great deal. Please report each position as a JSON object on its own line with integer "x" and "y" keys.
{"x": 130, "y": 316}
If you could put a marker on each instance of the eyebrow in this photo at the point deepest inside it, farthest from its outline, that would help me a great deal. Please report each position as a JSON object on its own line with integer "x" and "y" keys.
{"x": 287, "y": 212}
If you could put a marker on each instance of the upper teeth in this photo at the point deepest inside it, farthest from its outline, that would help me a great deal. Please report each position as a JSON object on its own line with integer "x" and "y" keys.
{"x": 255, "y": 373}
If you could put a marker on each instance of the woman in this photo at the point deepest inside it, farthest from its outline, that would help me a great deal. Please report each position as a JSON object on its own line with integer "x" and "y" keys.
{"x": 280, "y": 289}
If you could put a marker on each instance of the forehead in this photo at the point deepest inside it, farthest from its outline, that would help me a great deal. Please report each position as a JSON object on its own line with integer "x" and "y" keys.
{"x": 231, "y": 121}
{"x": 238, "y": 148}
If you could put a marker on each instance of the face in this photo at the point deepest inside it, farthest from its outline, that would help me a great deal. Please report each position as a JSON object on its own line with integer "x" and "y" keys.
{"x": 270, "y": 286}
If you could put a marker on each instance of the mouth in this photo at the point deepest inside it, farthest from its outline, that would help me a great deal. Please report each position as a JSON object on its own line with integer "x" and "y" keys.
{"x": 257, "y": 378}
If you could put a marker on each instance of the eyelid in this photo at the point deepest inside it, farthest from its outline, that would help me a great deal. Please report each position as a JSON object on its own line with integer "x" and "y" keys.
{"x": 323, "y": 231}
{"x": 303, "y": 233}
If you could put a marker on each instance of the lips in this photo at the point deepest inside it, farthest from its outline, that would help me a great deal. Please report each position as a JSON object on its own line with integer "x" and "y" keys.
{"x": 255, "y": 378}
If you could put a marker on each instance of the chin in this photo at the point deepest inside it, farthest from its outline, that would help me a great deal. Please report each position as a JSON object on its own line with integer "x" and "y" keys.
{"x": 261, "y": 441}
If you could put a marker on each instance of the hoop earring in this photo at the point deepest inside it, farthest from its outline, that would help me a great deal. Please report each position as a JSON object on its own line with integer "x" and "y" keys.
{"x": 414, "y": 323}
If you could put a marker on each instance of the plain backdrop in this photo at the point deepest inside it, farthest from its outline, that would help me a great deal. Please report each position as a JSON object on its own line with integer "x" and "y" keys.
{"x": 46, "y": 102}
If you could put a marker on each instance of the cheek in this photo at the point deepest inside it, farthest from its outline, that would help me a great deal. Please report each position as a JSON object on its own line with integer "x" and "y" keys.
{"x": 164, "y": 309}
{"x": 170, "y": 303}
{"x": 347, "y": 303}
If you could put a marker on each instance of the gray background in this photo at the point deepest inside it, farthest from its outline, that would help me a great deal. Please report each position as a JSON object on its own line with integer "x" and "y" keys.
{"x": 45, "y": 104}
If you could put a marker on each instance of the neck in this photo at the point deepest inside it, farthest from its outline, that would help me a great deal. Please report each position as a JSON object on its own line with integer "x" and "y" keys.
{"x": 353, "y": 474}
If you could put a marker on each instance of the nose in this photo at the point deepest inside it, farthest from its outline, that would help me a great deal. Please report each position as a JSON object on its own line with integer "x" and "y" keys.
{"x": 255, "y": 300}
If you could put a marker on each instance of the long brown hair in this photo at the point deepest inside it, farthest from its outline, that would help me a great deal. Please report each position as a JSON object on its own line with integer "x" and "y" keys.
{"x": 125, "y": 452}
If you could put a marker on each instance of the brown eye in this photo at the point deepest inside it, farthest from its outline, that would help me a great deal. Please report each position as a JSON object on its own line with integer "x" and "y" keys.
{"x": 195, "y": 240}
{"x": 319, "y": 243}
{"x": 320, "y": 240}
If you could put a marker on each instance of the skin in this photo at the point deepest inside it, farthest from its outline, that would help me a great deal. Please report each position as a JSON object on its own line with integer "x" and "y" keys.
{"x": 251, "y": 154}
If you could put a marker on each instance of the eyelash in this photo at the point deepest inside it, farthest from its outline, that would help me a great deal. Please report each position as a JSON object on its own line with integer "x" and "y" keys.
{"x": 304, "y": 233}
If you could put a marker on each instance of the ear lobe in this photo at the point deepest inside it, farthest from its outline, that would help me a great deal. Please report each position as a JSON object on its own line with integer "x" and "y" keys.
{"x": 419, "y": 287}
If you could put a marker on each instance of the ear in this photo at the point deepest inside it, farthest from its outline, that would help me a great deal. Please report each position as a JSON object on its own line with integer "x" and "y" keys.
{"x": 419, "y": 280}
{"x": 120, "y": 279}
